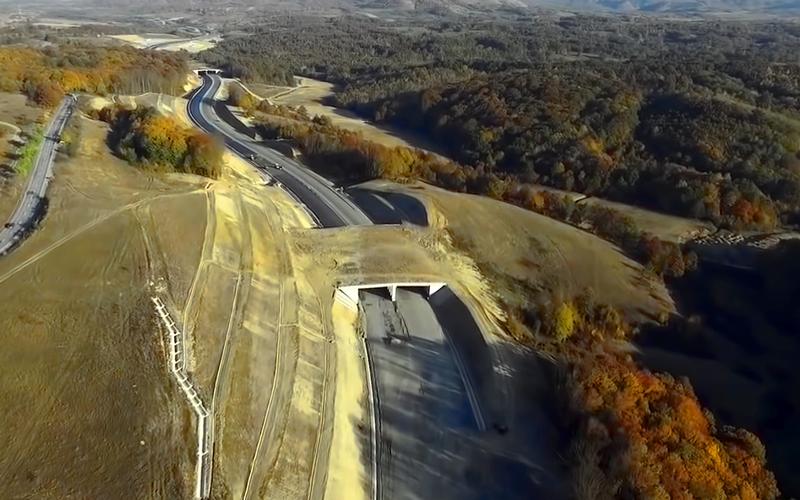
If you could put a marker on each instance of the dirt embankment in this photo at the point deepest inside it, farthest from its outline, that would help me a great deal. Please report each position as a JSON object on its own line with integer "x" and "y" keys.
{"x": 521, "y": 253}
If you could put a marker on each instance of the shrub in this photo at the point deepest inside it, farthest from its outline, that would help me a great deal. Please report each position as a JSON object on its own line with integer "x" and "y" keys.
{"x": 71, "y": 136}
{"x": 44, "y": 93}
{"x": 238, "y": 96}
{"x": 565, "y": 321}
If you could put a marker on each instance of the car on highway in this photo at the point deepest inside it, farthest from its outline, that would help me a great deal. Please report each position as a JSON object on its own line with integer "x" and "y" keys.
{"x": 277, "y": 166}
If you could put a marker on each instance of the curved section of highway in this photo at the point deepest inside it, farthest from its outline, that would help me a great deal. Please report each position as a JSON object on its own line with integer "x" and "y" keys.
{"x": 330, "y": 207}
{"x": 29, "y": 205}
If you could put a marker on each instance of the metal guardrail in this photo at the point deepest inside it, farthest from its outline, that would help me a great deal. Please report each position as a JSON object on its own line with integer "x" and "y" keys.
{"x": 177, "y": 365}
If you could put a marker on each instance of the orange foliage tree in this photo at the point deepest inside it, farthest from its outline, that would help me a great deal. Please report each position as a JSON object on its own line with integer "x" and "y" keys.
{"x": 144, "y": 137}
{"x": 652, "y": 437}
{"x": 674, "y": 450}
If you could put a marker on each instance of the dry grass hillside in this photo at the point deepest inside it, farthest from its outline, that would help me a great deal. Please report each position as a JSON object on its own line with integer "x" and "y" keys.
{"x": 87, "y": 406}
{"x": 524, "y": 254}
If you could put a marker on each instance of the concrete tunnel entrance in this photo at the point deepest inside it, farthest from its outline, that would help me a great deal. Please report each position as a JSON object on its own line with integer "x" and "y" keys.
{"x": 462, "y": 329}
{"x": 349, "y": 295}
{"x": 443, "y": 396}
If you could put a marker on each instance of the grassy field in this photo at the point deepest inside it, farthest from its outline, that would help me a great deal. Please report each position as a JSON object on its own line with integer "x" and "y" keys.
{"x": 311, "y": 94}
{"x": 88, "y": 406}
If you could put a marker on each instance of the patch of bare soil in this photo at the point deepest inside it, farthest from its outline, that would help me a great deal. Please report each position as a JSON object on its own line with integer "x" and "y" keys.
{"x": 165, "y": 104}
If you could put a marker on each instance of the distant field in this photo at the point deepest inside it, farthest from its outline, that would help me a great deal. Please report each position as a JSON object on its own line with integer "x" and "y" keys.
{"x": 163, "y": 41}
{"x": 311, "y": 94}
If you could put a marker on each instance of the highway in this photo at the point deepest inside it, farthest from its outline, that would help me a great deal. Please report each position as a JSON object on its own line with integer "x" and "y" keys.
{"x": 29, "y": 205}
{"x": 330, "y": 207}
{"x": 432, "y": 438}
{"x": 430, "y": 434}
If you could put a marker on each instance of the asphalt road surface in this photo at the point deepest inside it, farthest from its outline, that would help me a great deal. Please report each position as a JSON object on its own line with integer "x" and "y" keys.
{"x": 39, "y": 179}
{"x": 330, "y": 207}
{"x": 432, "y": 441}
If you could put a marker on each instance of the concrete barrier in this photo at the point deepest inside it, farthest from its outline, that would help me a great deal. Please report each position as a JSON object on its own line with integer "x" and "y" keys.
{"x": 177, "y": 365}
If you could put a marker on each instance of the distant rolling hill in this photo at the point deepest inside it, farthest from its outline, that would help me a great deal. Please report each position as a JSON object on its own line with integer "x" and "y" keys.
{"x": 766, "y": 7}
{"x": 677, "y": 6}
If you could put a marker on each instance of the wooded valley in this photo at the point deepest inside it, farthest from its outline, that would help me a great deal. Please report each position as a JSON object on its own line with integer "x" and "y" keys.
{"x": 702, "y": 122}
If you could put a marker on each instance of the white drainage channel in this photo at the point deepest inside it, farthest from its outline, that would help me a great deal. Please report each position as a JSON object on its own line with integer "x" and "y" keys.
{"x": 177, "y": 365}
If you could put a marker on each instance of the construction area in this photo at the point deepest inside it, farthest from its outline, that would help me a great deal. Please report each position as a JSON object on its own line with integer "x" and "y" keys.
{"x": 199, "y": 338}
